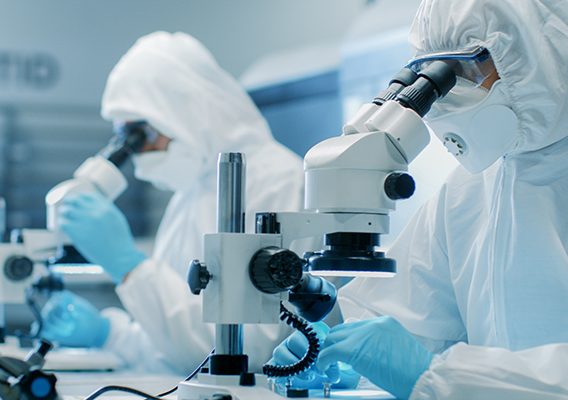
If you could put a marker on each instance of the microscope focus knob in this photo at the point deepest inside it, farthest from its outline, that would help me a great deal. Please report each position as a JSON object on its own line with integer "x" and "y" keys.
{"x": 274, "y": 270}
{"x": 37, "y": 384}
{"x": 18, "y": 268}
{"x": 198, "y": 277}
{"x": 399, "y": 185}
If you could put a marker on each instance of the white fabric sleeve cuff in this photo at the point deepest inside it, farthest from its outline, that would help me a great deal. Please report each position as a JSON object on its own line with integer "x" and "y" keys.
{"x": 474, "y": 372}
{"x": 119, "y": 322}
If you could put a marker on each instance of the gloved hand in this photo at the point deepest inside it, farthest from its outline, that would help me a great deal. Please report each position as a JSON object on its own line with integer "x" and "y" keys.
{"x": 291, "y": 350}
{"x": 100, "y": 232}
{"x": 72, "y": 321}
{"x": 380, "y": 349}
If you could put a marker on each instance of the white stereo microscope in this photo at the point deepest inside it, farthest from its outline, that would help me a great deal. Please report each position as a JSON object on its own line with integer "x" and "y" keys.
{"x": 351, "y": 184}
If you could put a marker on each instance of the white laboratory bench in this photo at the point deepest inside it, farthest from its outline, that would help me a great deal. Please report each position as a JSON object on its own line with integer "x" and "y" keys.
{"x": 77, "y": 385}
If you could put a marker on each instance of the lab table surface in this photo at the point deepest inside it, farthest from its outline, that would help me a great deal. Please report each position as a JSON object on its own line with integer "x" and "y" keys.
{"x": 77, "y": 386}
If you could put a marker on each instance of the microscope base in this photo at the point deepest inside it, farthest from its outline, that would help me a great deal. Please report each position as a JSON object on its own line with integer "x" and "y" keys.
{"x": 213, "y": 387}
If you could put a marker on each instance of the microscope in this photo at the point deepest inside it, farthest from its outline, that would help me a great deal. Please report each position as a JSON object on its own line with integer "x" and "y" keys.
{"x": 352, "y": 182}
{"x": 16, "y": 274}
{"x": 21, "y": 281}
{"x": 100, "y": 173}
{"x": 23, "y": 272}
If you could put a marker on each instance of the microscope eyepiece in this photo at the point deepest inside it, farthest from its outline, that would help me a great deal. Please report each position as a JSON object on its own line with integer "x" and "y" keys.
{"x": 120, "y": 149}
{"x": 129, "y": 138}
{"x": 405, "y": 77}
{"x": 434, "y": 82}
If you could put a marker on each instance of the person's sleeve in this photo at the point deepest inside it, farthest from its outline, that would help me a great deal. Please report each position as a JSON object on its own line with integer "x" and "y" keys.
{"x": 128, "y": 341}
{"x": 472, "y": 372}
{"x": 421, "y": 295}
{"x": 160, "y": 301}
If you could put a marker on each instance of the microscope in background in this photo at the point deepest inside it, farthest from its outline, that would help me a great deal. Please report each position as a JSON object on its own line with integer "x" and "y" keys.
{"x": 23, "y": 276}
{"x": 23, "y": 272}
{"x": 21, "y": 267}
{"x": 100, "y": 173}
{"x": 352, "y": 182}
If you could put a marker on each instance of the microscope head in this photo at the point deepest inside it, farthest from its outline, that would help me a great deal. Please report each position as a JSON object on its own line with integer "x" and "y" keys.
{"x": 365, "y": 172}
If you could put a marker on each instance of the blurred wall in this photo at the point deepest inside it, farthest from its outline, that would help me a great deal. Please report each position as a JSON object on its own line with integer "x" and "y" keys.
{"x": 82, "y": 40}
{"x": 55, "y": 56}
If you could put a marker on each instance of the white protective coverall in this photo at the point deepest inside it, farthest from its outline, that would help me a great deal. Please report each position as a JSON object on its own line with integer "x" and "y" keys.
{"x": 484, "y": 264}
{"x": 174, "y": 83}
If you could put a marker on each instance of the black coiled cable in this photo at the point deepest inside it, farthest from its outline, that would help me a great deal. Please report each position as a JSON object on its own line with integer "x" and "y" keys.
{"x": 300, "y": 324}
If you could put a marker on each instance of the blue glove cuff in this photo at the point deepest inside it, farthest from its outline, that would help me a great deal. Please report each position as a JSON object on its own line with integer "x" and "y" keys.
{"x": 122, "y": 266}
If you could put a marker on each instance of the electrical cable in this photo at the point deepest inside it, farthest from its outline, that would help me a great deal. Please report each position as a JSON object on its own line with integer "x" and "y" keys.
{"x": 190, "y": 376}
{"x": 114, "y": 388}
{"x": 300, "y": 324}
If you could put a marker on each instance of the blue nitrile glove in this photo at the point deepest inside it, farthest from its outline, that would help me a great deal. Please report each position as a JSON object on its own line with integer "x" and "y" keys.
{"x": 380, "y": 349}
{"x": 291, "y": 350}
{"x": 72, "y": 321}
{"x": 100, "y": 232}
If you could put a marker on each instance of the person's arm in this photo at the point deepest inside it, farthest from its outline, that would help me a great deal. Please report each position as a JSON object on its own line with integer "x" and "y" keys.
{"x": 473, "y": 372}
{"x": 421, "y": 295}
{"x": 130, "y": 342}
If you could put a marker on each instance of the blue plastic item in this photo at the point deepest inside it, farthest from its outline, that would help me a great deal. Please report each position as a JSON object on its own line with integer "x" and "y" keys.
{"x": 295, "y": 346}
{"x": 72, "y": 321}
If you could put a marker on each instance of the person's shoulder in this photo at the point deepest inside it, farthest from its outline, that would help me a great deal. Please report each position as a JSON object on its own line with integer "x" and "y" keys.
{"x": 460, "y": 178}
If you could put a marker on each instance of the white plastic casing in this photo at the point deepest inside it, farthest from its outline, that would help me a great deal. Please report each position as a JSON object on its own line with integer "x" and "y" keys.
{"x": 347, "y": 173}
{"x": 95, "y": 174}
{"x": 230, "y": 296}
{"x": 357, "y": 123}
{"x": 108, "y": 179}
{"x": 12, "y": 292}
{"x": 403, "y": 125}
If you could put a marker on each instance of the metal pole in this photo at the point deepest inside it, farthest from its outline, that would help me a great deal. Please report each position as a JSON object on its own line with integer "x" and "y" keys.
{"x": 2, "y": 237}
{"x": 230, "y": 218}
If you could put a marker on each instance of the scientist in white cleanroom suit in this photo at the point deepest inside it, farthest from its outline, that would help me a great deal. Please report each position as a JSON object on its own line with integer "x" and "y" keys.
{"x": 174, "y": 84}
{"x": 479, "y": 307}
{"x": 482, "y": 277}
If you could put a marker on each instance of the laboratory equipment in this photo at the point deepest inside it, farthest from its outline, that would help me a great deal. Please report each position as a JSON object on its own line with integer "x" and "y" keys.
{"x": 351, "y": 184}
{"x": 100, "y": 173}
{"x": 24, "y": 379}
{"x": 16, "y": 274}
{"x": 371, "y": 54}
{"x": 22, "y": 272}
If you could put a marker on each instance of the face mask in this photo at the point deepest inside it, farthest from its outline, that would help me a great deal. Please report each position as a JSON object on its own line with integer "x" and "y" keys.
{"x": 476, "y": 126}
{"x": 173, "y": 169}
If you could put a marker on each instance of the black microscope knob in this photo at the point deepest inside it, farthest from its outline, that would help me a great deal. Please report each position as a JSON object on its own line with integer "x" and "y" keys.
{"x": 198, "y": 277}
{"x": 275, "y": 270}
{"x": 399, "y": 185}
{"x": 39, "y": 385}
{"x": 18, "y": 268}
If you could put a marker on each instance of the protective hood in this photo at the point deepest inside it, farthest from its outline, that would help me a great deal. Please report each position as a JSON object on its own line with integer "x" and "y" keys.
{"x": 174, "y": 83}
{"x": 528, "y": 42}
